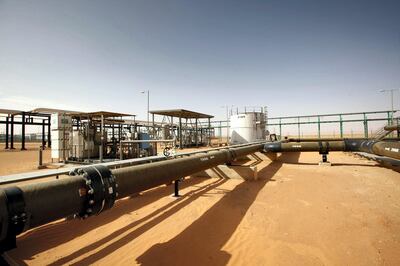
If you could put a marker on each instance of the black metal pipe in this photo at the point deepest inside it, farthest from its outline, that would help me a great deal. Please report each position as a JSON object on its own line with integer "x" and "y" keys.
{"x": 12, "y": 133}
{"x": 392, "y": 127}
{"x": 330, "y": 139}
{"x": 85, "y": 194}
{"x": 383, "y": 148}
{"x": 49, "y": 133}
{"x": 23, "y": 132}
{"x": 43, "y": 134}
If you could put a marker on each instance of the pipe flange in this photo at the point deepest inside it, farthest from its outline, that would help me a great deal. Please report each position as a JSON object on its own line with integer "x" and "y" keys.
{"x": 101, "y": 190}
{"x": 17, "y": 217}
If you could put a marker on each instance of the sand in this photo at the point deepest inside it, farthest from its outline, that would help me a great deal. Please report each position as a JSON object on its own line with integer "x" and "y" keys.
{"x": 17, "y": 161}
{"x": 297, "y": 213}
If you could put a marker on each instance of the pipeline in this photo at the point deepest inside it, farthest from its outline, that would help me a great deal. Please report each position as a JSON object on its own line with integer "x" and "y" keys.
{"x": 92, "y": 190}
{"x": 391, "y": 128}
{"x": 332, "y": 139}
{"x": 383, "y": 148}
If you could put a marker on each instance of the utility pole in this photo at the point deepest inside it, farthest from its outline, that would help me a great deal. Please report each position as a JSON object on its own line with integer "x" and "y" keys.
{"x": 148, "y": 106}
{"x": 227, "y": 122}
{"x": 391, "y": 100}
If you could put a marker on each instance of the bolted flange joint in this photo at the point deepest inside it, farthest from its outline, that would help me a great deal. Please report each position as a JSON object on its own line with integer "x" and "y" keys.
{"x": 100, "y": 190}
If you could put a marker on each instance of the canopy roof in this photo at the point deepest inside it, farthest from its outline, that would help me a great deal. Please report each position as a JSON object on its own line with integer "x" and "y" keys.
{"x": 182, "y": 113}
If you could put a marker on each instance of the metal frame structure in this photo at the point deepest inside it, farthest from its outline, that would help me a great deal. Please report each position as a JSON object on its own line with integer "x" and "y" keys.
{"x": 101, "y": 121}
{"x": 339, "y": 118}
{"x": 187, "y": 128}
{"x": 10, "y": 118}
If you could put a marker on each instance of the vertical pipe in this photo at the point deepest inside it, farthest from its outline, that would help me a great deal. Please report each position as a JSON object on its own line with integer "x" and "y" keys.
{"x": 23, "y": 132}
{"x": 49, "y": 133}
{"x": 40, "y": 158}
{"x": 180, "y": 133}
{"x": 12, "y": 133}
{"x": 220, "y": 131}
{"x": 391, "y": 96}
{"x": 227, "y": 125}
{"x": 148, "y": 106}
{"x": 209, "y": 131}
{"x": 319, "y": 127}
{"x": 298, "y": 127}
{"x": 121, "y": 155}
{"x": 43, "y": 133}
{"x": 280, "y": 129}
{"x": 341, "y": 126}
{"x": 119, "y": 132}
{"x": 87, "y": 135}
{"x": 101, "y": 138}
{"x": 176, "y": 188}
{"x": 7, "y": 133}
{"x": 196, "y": 135}
{"x": 153, "y": 127}
{"x": 186, "y": 133}
{"x": 365, "y": 126}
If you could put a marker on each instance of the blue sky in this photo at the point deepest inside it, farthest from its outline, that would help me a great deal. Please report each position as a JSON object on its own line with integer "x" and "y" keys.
{"x": 296, "y": 57}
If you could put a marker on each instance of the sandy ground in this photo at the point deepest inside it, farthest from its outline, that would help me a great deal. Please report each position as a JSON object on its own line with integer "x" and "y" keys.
{"x": 17, "y": 161}
{"x": 297, "y": 213}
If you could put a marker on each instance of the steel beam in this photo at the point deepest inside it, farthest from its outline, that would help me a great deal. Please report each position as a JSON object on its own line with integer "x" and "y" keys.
{"x": 23, "y": 132}
{"x": 12, "y": 133}
{"x": 7, "y": 132}
{"x": 49, "y": 133}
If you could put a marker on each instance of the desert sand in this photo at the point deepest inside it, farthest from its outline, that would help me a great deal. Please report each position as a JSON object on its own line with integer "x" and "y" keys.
{"x": 296, "y": 213}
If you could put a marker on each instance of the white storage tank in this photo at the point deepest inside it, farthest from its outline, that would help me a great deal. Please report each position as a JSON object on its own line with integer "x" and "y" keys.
{"x": 247, "y": 127}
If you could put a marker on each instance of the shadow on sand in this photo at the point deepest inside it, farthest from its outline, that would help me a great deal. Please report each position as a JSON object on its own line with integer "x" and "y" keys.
{"x": 77, "y": 227}
{"x": 201, "y": 243}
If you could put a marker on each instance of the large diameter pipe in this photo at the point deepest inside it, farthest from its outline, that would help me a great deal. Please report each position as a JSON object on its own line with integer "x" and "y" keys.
{"x": 331, "y": 139}
{"x": 134, "y": 179}
{"x": 42, "y": 203}
{"x": 304, "y": 146}
{"x": 49, "y": 201}
{"x": 383, "y": 148}
{"x": 392, "y": 127}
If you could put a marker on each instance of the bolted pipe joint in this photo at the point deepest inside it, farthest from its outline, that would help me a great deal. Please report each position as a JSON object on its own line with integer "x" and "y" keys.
{"x": 13, "y": 216}
{"x": 100, "y": 191}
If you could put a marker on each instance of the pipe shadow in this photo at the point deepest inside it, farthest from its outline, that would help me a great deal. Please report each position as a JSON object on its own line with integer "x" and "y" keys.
{"x": 289, "y": 158}
{"x": 77, "y": 227}
{"x": 355, "y": 164}
{"x": 149, "y": 222}
{"x": 335, "y": 164}
{"x": 201, "y": 243}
